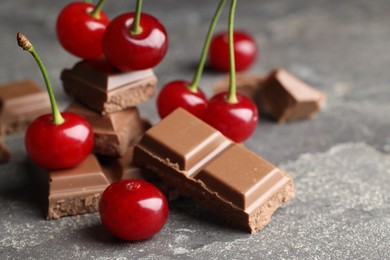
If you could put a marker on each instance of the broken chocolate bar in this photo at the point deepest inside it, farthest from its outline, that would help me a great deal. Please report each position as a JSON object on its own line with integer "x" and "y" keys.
{"x": 223, "y": 176}
{"x": 115, "y": 132}
{"x": 286, "y": 98}
{"x": 101, "y": 87}
{"x": 21, "y": 102}
{"x": 246, "y": 84}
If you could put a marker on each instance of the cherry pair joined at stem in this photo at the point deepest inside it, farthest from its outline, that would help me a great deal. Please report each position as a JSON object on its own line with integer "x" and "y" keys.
{"x": 234, "y": 115}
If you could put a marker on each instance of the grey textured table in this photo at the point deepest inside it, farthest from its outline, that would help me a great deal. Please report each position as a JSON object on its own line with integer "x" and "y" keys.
{"x": 339, "y": 160}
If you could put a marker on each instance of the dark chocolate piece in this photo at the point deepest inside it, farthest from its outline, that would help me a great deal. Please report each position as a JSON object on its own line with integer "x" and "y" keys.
{"x": 286, "y": 98}
{"x": 106, "y": 90}
{"x": 224, "y": 177}
{"x": 5, "y": 154}
{"x": 247, "y": 84}
{"x": 21, "y": 102}
{"x": 115, "y": 132}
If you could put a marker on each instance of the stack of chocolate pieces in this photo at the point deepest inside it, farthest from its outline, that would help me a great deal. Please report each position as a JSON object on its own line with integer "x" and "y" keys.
{"x": 279, "y": 95}
{"x": 107, "y": 98}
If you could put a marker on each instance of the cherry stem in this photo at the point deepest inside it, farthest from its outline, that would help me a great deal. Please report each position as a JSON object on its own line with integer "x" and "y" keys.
{"x": 98, "y": 8}
{"x": 136, "y": 26}
{"x": 27, "y": 46}
{"x": 88, "y": 1}
{"x": 232, "y": 96}
{"x": 193, "y": 87}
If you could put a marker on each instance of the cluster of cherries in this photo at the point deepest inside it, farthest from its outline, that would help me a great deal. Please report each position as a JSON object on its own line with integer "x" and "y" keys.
{"x": 135, "y": 209}
{"x": 231, "y": 113}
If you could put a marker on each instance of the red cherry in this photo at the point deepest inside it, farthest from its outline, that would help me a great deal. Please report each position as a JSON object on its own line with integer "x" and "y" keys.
{"x": 133, "y": 209}
{"x": 128, "y": 51}
{"x": 59, "y": 146}
{"x": 177, "y": 94}
{"x": 79, "y": 32}
{"x": 235, "y": 120}
{"x": 245, "y": 51}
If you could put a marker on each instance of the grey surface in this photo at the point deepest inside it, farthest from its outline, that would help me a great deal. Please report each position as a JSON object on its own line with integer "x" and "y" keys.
{"x": 339, "y": 160}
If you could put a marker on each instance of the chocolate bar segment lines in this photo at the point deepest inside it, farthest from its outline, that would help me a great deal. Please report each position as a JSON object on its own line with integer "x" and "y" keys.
{"x": 223, "y": 176}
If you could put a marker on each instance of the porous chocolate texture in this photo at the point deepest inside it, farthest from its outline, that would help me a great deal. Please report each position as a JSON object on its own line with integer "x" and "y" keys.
{"x": 115, "y": 132}
{"x": 103, "y": 88}
{"x": 225, "y": 177}
{"x": 20, "y": 103}
{"x": 286, "y": 98}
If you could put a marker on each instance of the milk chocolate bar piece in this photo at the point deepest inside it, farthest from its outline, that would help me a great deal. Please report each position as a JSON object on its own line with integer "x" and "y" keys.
{"x": 20, "y": 103}
{"x": 223, "y": 176}
{"x": 106, "y": 90}
{"x": 113, "y": 133}
{"x": 286, "y": 98}
{"x": 73, "y": 191}
{"x": 5, "y": 154}
{"x": 247, "y": 84}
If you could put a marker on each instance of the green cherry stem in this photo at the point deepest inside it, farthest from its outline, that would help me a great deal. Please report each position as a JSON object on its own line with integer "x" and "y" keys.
{"x": 88, "y": 1}
{"x": 193, "y": 87}
{"x": 98, "y": 8}
{"x": 26, "y": 45}
{"x": 136, "y": 26}
{"x": 232, "y": 96}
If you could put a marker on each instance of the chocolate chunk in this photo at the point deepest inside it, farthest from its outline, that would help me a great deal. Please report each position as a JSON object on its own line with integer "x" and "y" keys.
{"x": 21, "y": 102}
{"x": 72, "y": 191}
{"x": 99, "y": 86}
{"x": 113, "y": 133}
{"x": 5, "y": 154}
{"x": 224, "y": 177}
{"x": 286, "y": 98}
{"x": 247, "y": 84}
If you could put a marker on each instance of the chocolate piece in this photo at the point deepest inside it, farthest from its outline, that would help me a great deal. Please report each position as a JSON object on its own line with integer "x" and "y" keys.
{"x": 224, "y": 177}
{"x": 247, "y": 84}
{"x": 101, "y": 87}
{"x": 21, "y": 102}
{"x": 286, "y": 98}
{"x": 73, "y": 191}
{"x": 113, "y": 133}
{"x": 5, "y": 154}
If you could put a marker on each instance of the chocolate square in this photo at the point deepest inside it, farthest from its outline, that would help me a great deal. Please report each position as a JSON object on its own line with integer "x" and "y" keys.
{"x": 286, "y": 98}
{"x": 101, "y": 87}
{"x": 21, "y": 102}
{"x": 113, "y": 133}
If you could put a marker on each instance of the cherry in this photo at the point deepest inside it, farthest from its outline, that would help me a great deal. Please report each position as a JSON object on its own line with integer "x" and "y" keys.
{"x": 56, "y": 141}
{"x": 80, "y": 27}
{"x": 245, "y": 51}
{"x": 237, "y": 120}
{"x": 133, "y": 209}
{"x": 184, "y": 94}
{"x": 232, "y": 114}
{"x": 135, "y": 41}
{"x": 177, "y": 94}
